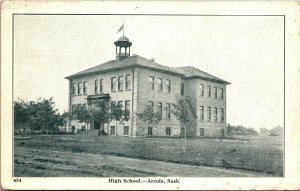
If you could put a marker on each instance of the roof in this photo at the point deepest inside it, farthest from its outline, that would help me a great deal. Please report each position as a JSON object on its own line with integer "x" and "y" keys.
{"x": 130, "y": 62}
{"x": 192, "y": 72}
{"x": 123, "y": 38}
{"x": 138, "y": 61}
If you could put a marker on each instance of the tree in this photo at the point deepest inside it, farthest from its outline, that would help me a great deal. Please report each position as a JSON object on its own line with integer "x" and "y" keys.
{"x": 149, "y": 116}
{"x": 82, "y": 114}
{"x": 118, "y": 114}
{"x": 67, "y": 117}
{"x": 100, "y": 114}
{"x": 181, "y": 112}
{"x": 276, "y": 131}
{"x": 241, "y": 130}
{"x": 21, "y": 116}
{"x": 38, "y": 115}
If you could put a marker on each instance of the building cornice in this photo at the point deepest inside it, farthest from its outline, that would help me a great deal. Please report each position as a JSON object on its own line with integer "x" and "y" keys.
{"x": 123, "y": 68}
{"x": 208, "y": 79}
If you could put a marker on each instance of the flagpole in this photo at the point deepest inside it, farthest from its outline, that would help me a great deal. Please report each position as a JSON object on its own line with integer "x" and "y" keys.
{"x": 123, "y": 27}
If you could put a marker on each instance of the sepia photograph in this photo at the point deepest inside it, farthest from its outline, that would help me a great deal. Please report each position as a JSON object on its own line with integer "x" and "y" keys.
{"x": 149, "y": 95}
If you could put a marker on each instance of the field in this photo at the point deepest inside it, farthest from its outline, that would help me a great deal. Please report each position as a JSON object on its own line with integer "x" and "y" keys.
{"x": 252, "y": 154}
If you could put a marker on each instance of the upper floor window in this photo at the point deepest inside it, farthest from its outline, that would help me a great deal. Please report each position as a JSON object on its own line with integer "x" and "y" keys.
{"x": 113, "y": 84}
{"x": 151, "y": 83}
{"x": 216, "y": 92}
{"x": 73, "y": 91}
{"x": 85, "y": 84}
{"x": 128, "y": 82}
{"x": 168, "y": 86}
{"x": 79, "y": 87}
{"x": 160, "y": 84}
{"x": 120, "y": 83}
{"x": 96, "y": 86}
{"x": 209, "y": 114}
{"x": 127, "y": 105}
{"x": 215, "y": 114}
{"x": 182, "y": 89}
{"x": 208, "y": 91}
{"x": 201, "y": 113}
{"x": 168, "y": 112}
{"x": 222, "y": 114}
{"x": 222, "y": 93}
{"x": 201, "y": 90}
{"x": 159, "y": 108}
{"x": 101, "y": 85}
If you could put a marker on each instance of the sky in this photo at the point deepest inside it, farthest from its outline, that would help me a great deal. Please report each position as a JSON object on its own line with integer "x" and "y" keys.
{"x": 246, "y": 51}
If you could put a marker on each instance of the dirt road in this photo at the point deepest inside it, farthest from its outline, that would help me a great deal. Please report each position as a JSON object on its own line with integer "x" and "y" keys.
{"x": 37, "y": 162}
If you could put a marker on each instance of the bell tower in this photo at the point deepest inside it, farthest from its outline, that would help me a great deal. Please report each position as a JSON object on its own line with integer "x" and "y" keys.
{"x": 122, "y": 48}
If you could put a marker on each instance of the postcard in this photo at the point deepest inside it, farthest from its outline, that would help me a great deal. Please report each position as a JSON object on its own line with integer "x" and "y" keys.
{"x": 150, "y": 95}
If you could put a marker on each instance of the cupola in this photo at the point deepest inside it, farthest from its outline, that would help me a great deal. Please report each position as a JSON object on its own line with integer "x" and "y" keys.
{"x": 122, "y": 48}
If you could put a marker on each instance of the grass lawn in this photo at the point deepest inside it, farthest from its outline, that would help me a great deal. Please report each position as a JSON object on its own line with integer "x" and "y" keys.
{"x": 253, "y": 153}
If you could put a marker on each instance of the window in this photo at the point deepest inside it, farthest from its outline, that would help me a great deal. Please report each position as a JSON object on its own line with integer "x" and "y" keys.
{"x": 120, "y": 83}
{"x": 208, "y": 91}
{"x": 182, "y": 89}
{"x": 73, "y": 91}
{"x": 150, "y": 131}
{"x": 215, "y": 114}
{"x": 222, "y": 114}
{"x": 112, "y": 130}
{"x": 151, "y": 103}
{"x": 101, "y": 85}
{"x": 128, "y": 82}
{"x": 79, "y": 87}
{"x": 168, "y": 113}
{"x": 159, "y": 108}
{"x": 222, "y": 93}
{"x": 222, "y": 133}
{"x": 127, "y": 105}
{"x": 85, "y": 84}
{"x": 160, "y": 84}
{"x": 168, "y": 131}
{"x": 126, "y": 130}
{"x": 216, "y": 92}
{"x": 73, "y": 107}
{"x": 151, "y": 83}
{"x": 96, "y": 86}
{"x": 82, "y": 128}
{"x": 201, "y": 132}
{"x": 209, "y": 114}
{"x": 168, "y": 86}
{"x": 201, "y": 113}
{"x": 201, "y": 90}
{"x": 113, "y": 84}
{"x": 120, "y": 103}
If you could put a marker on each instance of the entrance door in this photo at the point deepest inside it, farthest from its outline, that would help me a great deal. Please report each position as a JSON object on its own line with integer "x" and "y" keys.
{"x": 96, "y": 124}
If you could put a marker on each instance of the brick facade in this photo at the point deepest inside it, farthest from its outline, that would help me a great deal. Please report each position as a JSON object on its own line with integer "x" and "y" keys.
{"x": 141, "y": 71}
